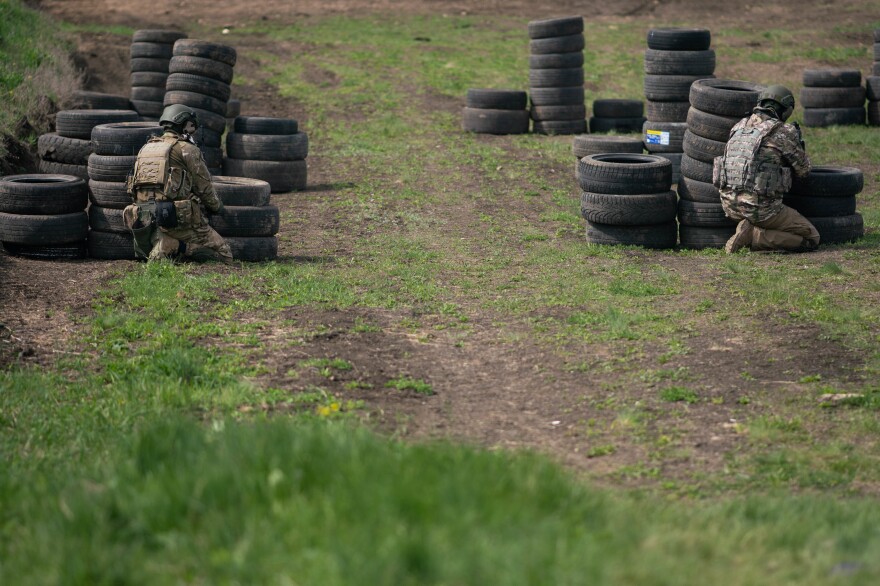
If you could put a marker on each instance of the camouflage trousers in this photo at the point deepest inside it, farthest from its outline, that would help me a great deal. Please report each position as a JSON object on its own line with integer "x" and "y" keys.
{"x": 787, "y": 230}
{"x": 196, "y": 243}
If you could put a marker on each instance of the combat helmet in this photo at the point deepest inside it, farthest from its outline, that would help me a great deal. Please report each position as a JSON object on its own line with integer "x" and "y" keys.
{"x": 777, "y": 95}
{"x": 177, "y": 115}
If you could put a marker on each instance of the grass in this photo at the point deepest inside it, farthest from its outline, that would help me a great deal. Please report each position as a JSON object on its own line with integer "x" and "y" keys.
{"x": 154, "y": 452}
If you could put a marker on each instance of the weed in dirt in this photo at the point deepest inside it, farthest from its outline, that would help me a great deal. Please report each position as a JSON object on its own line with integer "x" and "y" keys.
{"x": 405, "y": 383}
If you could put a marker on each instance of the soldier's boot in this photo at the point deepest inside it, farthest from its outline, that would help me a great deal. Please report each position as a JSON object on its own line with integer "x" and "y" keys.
{"x": 742, "y": 238}
{"x": 167, "y": 247}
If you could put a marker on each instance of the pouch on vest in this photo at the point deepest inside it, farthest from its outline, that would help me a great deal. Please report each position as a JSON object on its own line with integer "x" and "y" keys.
{"x": 188, "y": 213}
{"x": 140, "y": 220}
{"x": 166, "y": 214}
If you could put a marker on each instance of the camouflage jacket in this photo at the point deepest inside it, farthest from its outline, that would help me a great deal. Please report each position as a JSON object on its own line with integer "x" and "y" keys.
{"x": 780, "y": 147}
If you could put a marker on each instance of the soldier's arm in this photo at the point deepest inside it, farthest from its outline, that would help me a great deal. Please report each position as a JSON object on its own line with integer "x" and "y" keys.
{"x": 202, "y": 186}
{"x": 793, "y": 153}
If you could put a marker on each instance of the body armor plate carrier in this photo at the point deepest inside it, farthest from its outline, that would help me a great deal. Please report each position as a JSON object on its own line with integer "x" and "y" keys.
{"x": 742, "y": 167}
{"x": 154, "y": 177}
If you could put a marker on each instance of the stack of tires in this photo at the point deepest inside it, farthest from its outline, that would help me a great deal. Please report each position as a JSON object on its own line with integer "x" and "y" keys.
{"x": 151, "y": 52}
{"x": 556, "y": 75}
{"x": 827, "y": 197}
{"x": 490, "y": 111}
{"x": 872, "y": 92}
{"x": 617, "y": 115}
{"x": 116, "y": 149}
{"x": 200, "y": 74}
{"x": 590, "y": 144}
{"x": 716, "y": 105}
{"x": 249, "y": 223}
{"x": 270, "y": 149}
{"x": 43, "y": 215}
{"x": 86, "y": 100}
{"x": 66, "y": 151}
{"x": 833, "y": 97}
{"x": 627, "y": 199}
{"x": 675, "y": 58}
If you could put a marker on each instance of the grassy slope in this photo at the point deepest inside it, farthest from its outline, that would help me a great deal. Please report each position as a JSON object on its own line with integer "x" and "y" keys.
{"x": 139, "y": 465}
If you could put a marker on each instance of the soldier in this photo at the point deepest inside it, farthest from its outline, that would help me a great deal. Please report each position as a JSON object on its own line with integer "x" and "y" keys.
{"x": 755, "y": 172}
{"x": 170, "y": 183}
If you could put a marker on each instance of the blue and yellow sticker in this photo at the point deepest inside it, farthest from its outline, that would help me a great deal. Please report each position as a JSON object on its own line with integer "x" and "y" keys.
{"x": 656, "y": 137}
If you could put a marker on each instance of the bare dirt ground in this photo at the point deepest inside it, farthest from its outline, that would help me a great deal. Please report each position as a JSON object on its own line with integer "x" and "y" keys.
{"x": 489, "y": 393}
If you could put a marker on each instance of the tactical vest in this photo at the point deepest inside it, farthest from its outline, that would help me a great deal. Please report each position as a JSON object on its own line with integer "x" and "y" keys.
{"x": 154, "y": 177}
{"x": 743, "y": 167}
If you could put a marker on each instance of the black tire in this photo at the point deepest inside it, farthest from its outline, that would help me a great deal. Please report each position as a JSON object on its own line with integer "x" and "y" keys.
{"x": 700, "y": 237}
{"x": 589, "y": 144}
{"x": 670, "y": 88}
{"x": 496, "y": 99}
{"x": 85, "y": 100}
{"x": 556, "y": 77}
{"x": 79, "y": 123}
{"x": 111, "y": 167}
{"x": 696, "y": 213}
{"x": 107, "y": 220}
{"x": 697, "y": 191}
{"x": 123, "y": 138}
{"x": 246, "y": 221}
{"x": 556, "y": 60}
{"x": 157, "y": 36}
{"x": 875, "y": 68}
{"x": 821, "y": 117}
{"x": 155, "y": 79}
{"x": 836, "y": 230}
{"x": 195, "y": 100}
{"x": 241, "y": 191}
{"x": 213, "y": 157}
{"x": 624, "y": 173}
{"x": 624, "y": 125}
{"x": 666, "y": 111}
{"x": 659, "y": 62}
{"x": 829, "y": 181}
{"x": 663, "y": 137}
{"x": 876, "y": 51}
{"x": 264, "y": 125}
{"x": 44, "y": 230}
{"x": 695, "y": 169}
{"x": 679, "y": 39}
{"x": 485, "y": 121}
{"x": 618, "y": 108}
{"x": 560, "y": 126}
{"x": 54, "y": 147}
{"x": 255, "y": 249}
{"x": 675, "y": 159}
{"x": 233, "y": 109}
{"x": 141, "y": 64}
{"x": 150, "y": 50}
{"x": 725, "y": 97}
{"x": 821, "y": 206}
{"x": 573, "y": 112}
{"x": 210, "y": 120}
{"x": 196, "y": 48}
{"x": 111, "y": 245}
{"x": 563, "y": 44}
{"x": 556, "y": 27}
{"x": 186, "y": 82}
{"x": 147, "y": 94}
{"x": 148, "y": 109}
{"x": 832, "y": 77}
{"x": 74, "y": 251}
{"x": 556, "y": 96}
{"x": 42, "y": 194}
{"x": 657, "y": 236}
{"x": 201, "y": 66}
{"x": 206, "y": 137}
{"x": 877, "y": 35}
{"x": 629, "y": 210}
{"x": 282, "y": 176}
{"x": 710, "y": 126}
{"x": 872, "y": 88}
{"x": 53, "y": 168}
{"x": 702, "y": 149}
{"x": 109, "y": 194}
{"x": 874, "y": 113}
{"x": 832, "y": 97}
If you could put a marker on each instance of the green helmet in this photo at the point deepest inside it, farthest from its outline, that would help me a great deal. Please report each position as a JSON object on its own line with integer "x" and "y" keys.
{"x": 178, "y": 115}
{"x": 781, "y": 95}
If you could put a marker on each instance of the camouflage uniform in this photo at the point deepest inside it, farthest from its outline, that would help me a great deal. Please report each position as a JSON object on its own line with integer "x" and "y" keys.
{"x": 188, "y": 186}
{"x": 752, "y": 184}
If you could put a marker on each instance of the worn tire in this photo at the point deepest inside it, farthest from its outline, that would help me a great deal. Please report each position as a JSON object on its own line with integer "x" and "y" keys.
{"x": 829, "y": 181}
{"x": 111, "y": 167}
{"x": 246, "y": 221}
{"x": 42, "y": 194}
{"x": 241, "y": 191}
{"x": 832, "y": 77}
{"x": 106, "y": 220}
{"x": 696, "y": 213}
{"x": 198, "y": 84}
{"x": 53, "y": 168}
{"x": 43, "y": 230}
{"x": 663, "y": 137}
{"x": 624, "y": 125}
{"x": 557, "y": 60}
{"x": 822, "y": 117}
{"x": 836, "y": 230}
{"x": 695, "y": 169}
{"x": 710, "y": 126}
{"x": 618, "y": 108}
{"x": 61, "y": 149}
{"x": 148, "y": 110}
{"x": 111, "y": 245}
{"x": 233, "y": 109}
{"x": 253, "y": 249}
{"x": 282, "y": 176}
{"x": 700, "y": 237}
{"x": 666, "y": 111}
{"x": 563, "y": 44}
{"x": 555, "y": 27}
{"x": 265, "y": 125}
{"x": 556, "y": 77}
{"x": 572, "y": 112}
{"x": 874, "y": 113}
{"x": 725, "y": 97}
{"x": 195, "y": 100}
{"x": 833, "y": 97}
{"x": 675, "y": 159}
{"x": 697, "y": 191}
{"x": 872, "y": 88}
{"x": 556, "y": 96}
{"x": 268, "y": 147}
{"x": 197, "y": 48}
{"x": 141, "y": 64}
{"x": 168, "y": 37}
{"x": 123, "y": 138}
{"x": 670, "y": 88}
{"x": 76, "y": 250}
{"x": 559, "y": 126}
{"x": 657, "y": 236}
{"x": 659, "y": 62}
{"x": 485, "y": 121}
{"x": 86, "y": 100}
{"x": 679, "y": 39}
{"x": 629, "y": 210}
{"x": 109, "y": 194}
{"x": 79, "y": 123}
{"x": 154, "y": 79}
{"x": 147, "y": 94}
{"x": 150, "y": 50}
{"x": 702, "y": 149}
{"x": 821, "y": 206}
{"x": 624, "y": 173}
{"x": 590, "y": 144}
{"x": 201, "y": 66}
